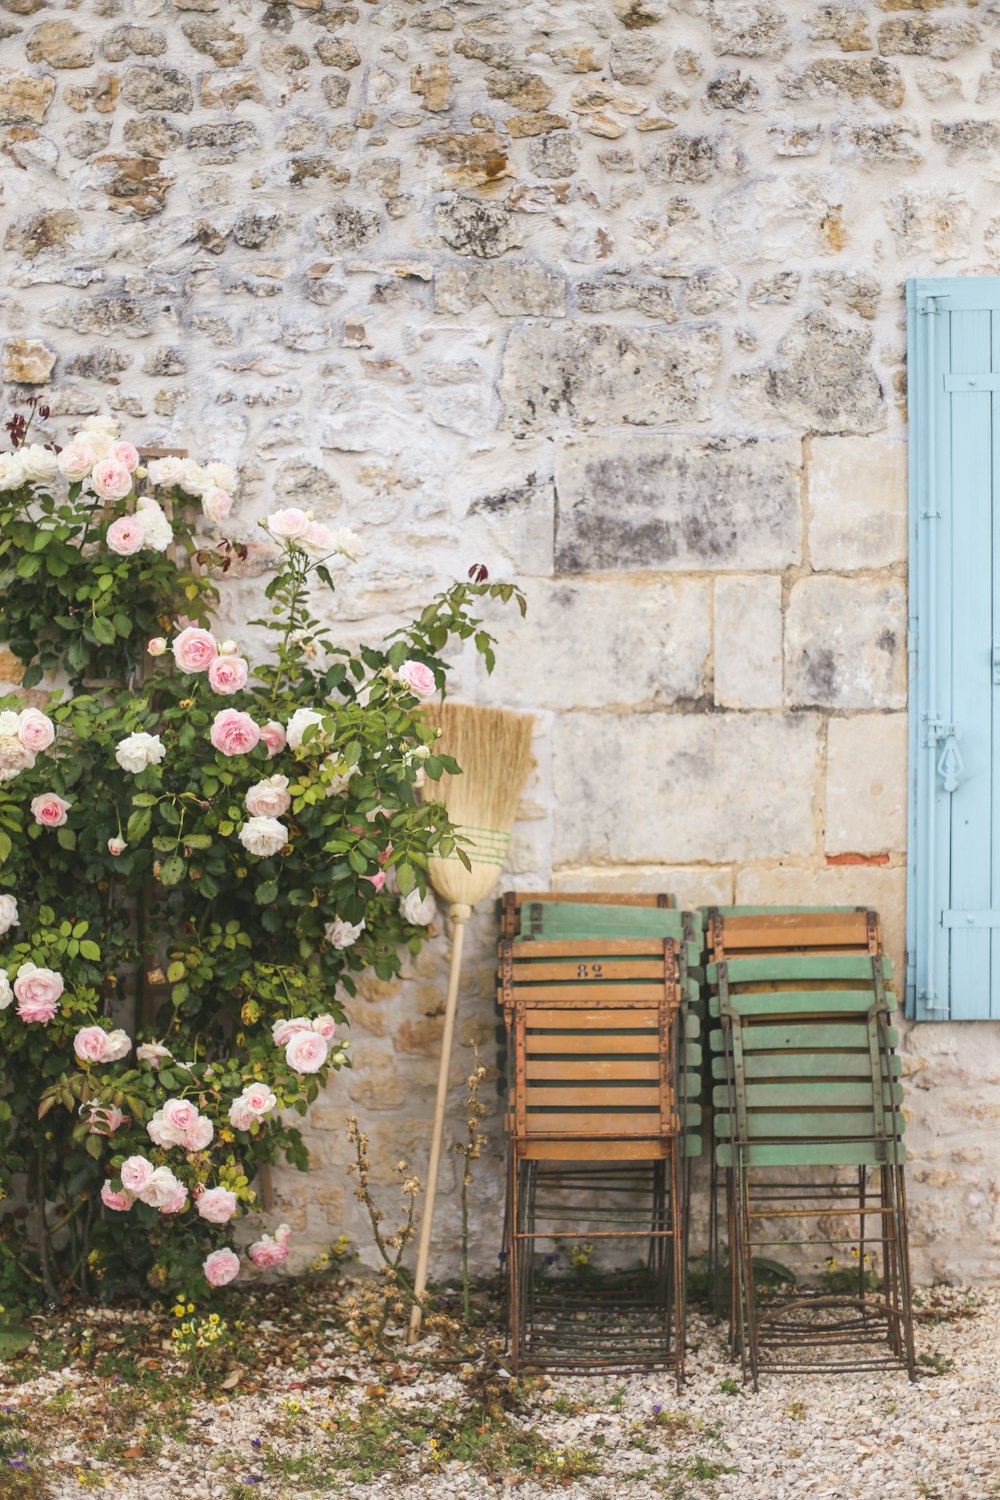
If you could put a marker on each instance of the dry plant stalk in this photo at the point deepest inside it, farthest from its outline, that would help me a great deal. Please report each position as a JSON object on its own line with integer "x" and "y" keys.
{"x": 471, "y": 1150}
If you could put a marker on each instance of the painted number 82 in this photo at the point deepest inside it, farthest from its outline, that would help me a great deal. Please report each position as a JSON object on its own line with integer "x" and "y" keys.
{"x": 589, "y": 971}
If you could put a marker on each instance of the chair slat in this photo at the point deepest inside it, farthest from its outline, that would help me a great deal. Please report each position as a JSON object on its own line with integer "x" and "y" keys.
{"x": 591, "y": 1068}
{"x": 610, "y": 1019}
{"x": 594, "y": 1095}
{"x": 808, "y": 1094}
{"x": 587, "y": 971}
{"x": 809, "y": 1154}
{"x": 628, "y": 996}
{"x": 797, "y": 966}
{"x": 804, "y": 1037}
{"x": 795, "y": 1002}
{"x": 807, "y": 1065}
{"x": 833, "y": 1124}
{"x": 611, "y": 1122}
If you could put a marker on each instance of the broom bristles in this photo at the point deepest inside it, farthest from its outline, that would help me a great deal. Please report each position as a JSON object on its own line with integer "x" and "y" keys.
{"x": 493, "y": 749}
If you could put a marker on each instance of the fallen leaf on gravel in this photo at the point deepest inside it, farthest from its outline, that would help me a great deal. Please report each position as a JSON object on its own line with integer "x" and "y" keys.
{"x": 135, "y": 1452}
{"x": 231, "y": 1380}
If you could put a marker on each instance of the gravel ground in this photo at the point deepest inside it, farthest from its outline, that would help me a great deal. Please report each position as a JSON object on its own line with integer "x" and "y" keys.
{"x": 828, "y": 1437}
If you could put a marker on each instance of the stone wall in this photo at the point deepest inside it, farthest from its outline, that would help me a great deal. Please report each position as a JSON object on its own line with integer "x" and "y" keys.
{"x": 606, "y": 294}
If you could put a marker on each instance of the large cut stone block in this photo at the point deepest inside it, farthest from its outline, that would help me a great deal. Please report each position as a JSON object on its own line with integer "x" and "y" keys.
{"x": 589, "y": 375}
{"x": 845, "y": 643}
{"x": 674, "y": 503}
{"x": 706, "y": 788}
{"x": 748, "y": 642}
{"x": 857, "y": 502}
{"x": 599, "y": 643}
{"x": 866, "y": 784}
{"x": 690, "y": 885}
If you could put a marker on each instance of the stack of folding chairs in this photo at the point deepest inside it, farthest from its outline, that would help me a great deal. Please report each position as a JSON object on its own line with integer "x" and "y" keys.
{"x": 808, "y": 1134}
{"x": 600, "y": 999}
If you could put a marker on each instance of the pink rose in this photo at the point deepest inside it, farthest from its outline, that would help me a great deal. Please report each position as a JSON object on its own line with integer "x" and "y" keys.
{"x": 291, "y": 522}
{"x": 76, "y": 460}
{"x": 135, "y": 1173}
{"x": 111, "y": 479}
{"x": 153, "y": 1053}
{"x": 234, "y": 733}
{"x": 318, "y": 539}
{"x": 160, "y": 1189}
{"x": 49, "y": 810}
{"x": 104, "y": 1119}
{"x": 117, "y": 846}
{"x": 126, "y": 455}
{"x": 217, "y": 1205}
{"x": 227, "y": 674}
{"x": 324, "y": 1026}
{"x": 125, "y": 536}
{"x": 378, "y": 881}
{"x": 179, "y": 1114}
{"x": 35, "y": 730}
{"x": 221, "y": 1267}
{"x": 254, "y": 1103}
{"x": 216, "y": 503}
{"x": 157, "y": 646}
{"x": 418, "y": 678}
{"x": 195, "y": 650}
{"x": 266, "y": 1253}
{"x": 178, "y": 1203}
{"x": 268, "y": 799}
{"x": 91, "y": 1044}
{"x": 273, "y": 736}
{"x": 200, "y": 1134}
{"x": 281, "y": 1031}
{"x": 116, "y": 1198}
{"x": 306, "y": 1052}
{"x": 38, "y": 991}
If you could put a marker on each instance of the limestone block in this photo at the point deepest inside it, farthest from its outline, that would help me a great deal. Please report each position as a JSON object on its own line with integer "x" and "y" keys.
{"x": 857, "y": 502}
{"x": 924, "y": 38}
{"x": 704, "y": 788}
{"x": 691, "y": 885}
{"x": 602, "y": 643}
{"x": 28, "y": 361}
{"x": 881, "y": 887}
{"x": 682, "y": 158}
{"x": 223, "y": 43}
{"x": 24, "y": 99}
{"x": 852, "y": 78}
{"x": 847, "y": 25}
{"x": 928, "y": 222}
{"x": 974, "y": 140}
{"x": 512, "y": 289}
{"x": 61, "y": 45}
{"x": 731, "y": 90}
{"x": 49, "y": 230}
{"x": 136, "y": 41}
{"x": 784, "y": 218}
{"x": 471, "y": 227}
{"x": 155, "y": 87}
{"x": 822, "y": 379}
{"x": 845, "y": 643}
{"x": 749, "y": 28}
{"x": 514, "y": 523}
{"x": 874, "y": 144}
{"x": 866, "y": 784}
{"x": 554, "y": 154}
{"x": 636, "y": 57}
{"x": 748, "y": 642}
{"x": 600, "y": 374}
{"x": 622, "y": 294}
{"x": 668, "y": 502}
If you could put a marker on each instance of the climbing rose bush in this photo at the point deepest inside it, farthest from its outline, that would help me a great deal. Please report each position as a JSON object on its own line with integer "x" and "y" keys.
{"x": 202, "y": 844}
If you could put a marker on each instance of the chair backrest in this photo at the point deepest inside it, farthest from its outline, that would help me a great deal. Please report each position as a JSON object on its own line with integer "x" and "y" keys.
{"x": 567, "y": 919}
{"x": 594, "y": 1033}
{"x": 511, "y": 902}
{"x": 738, "y": 931}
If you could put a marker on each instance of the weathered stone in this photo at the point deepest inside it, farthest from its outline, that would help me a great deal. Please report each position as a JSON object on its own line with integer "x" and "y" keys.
{"x": 749, "y": 28}
{"x": 845, "y": 643}
{"x": 938, "y": 86}
{"x": 164, "y": 362}
{"x": 61, "y": 45}
{"x": 846, "y": 25}
{"x": 693, "y": 885}
{"x": 24, "y": 99}
{"x": 875, "y": 144}
{"x": 224, "y": 44}
{"x": 554, "y": 154}
{"x": 730, "y": 90}
{"x": 484, "y": 230}
{"x": 133, "y": 41}
{"x": 873, "y": 78}
{"x": 255, "y": 228}
{"x": 822, "y": 379}
{"x": 619, "y": 294}
{"x": 223, "y": 140}
{"x": 635, "y": 58}
{"x": 635, "y": 15}
{"x": 513, "y": 290}
{"x": 710, "y": 291}
{"x": 433, "y": 83}
{"x": 474, "y": 158}
{"x": 83, "y": 139}
{"x": 28, "y": 361}
{"x": 938, "y": 39}
{"x": 784, "y": 218}
{"x": 858, "y": 293}
{"x": 136, "y": 181}
{"x": 103, "y": 93}
{"x": 747, "y": 633}
{"x": 112, "y": 313}
{"x": 978, "y": 140}
{"x": 157, "y": 88}
{"x": 796, "y": 140}
{"x": 606, "y": 619}
{"x": 283, "y": 57}
{"x": 336, "y": 89}
{"x": 676, "y": 503}
{"x": 345, "y": 226}
{"x": 540, "y": 123}
{"x": 519, "y": 88}
{"x": 866, "y": 784}
{"x": 337, "y": 52}
{"x": 229, "y": 87}
{"x": 930, "y": 223}
{"x": 104, "y": 362}
{"x": 781, "y": 287}
{"x": 152, "y": 135}
{"x": 730, "y": 786}
{"x": 603, "y": 374}
{"x": 682, "y": 158}
{"x": 857, "y": 503}
{"x": 52, "y": 229}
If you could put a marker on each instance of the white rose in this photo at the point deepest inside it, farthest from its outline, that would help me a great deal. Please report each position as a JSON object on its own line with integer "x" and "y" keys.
{"x": 105, "y": 424}
{"x": 221, "y": 476}
{"x": 38, "y": 463}
{"x": 341, "y": 934}
{"x": 299, "y": 723}
{"x": 137, "y": 751}
{"x": 268, "y": 799}
{"x": 338, "y": 779}
{"x": 77, "y": 459}
{"x": 6, "y": 993}
{"x": 164, "y": 473}
{"x": 263, "y": 836}
{"x": 11, "y": 471}
{"x": 193, "y": 477}
{"x": 160, "y": 1188}
{"x": 98, "y": 442}
{"x": 10, "y": 723}
{"x": 420, "y": 910}
{"x": 118, "y": 1045}
{"x": 14, "y": 756}
{"x": 348, "y": 543}
{"x": 157, "y": 530}
{"x": 8, "y": 914}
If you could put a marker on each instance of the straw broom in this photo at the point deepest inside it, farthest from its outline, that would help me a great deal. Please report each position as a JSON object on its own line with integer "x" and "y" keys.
{"x": 493, "y": 748}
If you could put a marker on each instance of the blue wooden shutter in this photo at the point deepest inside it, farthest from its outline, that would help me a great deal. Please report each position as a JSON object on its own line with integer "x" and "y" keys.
{"x": 953, "y": 905}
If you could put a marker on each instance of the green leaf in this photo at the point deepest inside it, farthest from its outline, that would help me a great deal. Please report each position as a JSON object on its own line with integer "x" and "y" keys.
{"x": 5, "y": 846}
{"x": 138, "y": 825}
{"x": 90, "y": 950}
{"x": 176, "y": 971}
{"x": 66, "y": 837}
{"x": 173, "y": 870}
{"x": 93, "y": 1147}
{"x": 198, "y": 840}
{"x": 267, "y": 892}
{"x": 357, "y": 861}
{"x": 104, "y": 630}
{"x": 406, "y": 878}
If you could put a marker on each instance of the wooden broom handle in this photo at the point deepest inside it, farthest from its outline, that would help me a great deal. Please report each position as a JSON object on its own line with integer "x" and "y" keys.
{"x": 460, "y": 915}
